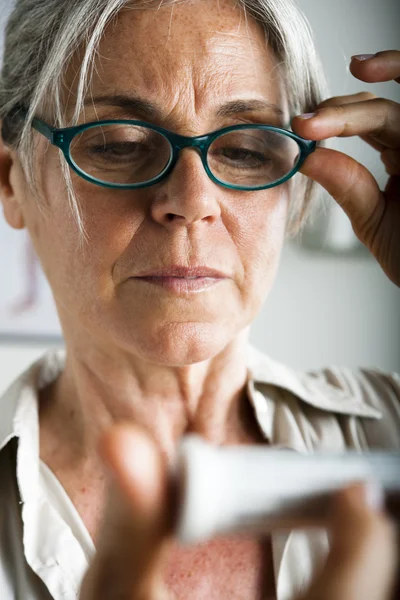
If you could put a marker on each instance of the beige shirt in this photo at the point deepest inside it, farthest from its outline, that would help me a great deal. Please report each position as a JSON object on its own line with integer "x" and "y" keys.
{"x": 45, "y": 548}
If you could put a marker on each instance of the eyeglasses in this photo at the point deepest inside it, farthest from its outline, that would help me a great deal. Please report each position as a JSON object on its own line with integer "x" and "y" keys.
{"x": 131, "y": 154}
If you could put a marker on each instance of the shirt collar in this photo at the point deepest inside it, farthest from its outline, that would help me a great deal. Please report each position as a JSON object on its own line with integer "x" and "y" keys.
{"x": 21, "y": 396}
{"x": 311, "y": 388}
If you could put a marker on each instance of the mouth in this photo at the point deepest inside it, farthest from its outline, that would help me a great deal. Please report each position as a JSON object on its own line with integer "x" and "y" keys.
{"x": 182, "y": 272}
{"x": 181, "y": 285}
{"x": 182, "y": 280}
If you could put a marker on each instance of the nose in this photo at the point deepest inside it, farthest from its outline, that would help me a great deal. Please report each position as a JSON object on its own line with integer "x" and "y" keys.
{"x": 187, "y": 195}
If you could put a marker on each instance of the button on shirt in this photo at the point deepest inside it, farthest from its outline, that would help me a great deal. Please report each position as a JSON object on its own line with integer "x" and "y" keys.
{"x": 45, "y": 548}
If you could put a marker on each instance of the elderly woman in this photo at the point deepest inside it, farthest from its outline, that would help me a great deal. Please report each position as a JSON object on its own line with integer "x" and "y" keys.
{"x": 160, "y": 226}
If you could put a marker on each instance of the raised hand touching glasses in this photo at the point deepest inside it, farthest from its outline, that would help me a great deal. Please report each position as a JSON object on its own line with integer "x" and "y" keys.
{"x": 374, "y": 213}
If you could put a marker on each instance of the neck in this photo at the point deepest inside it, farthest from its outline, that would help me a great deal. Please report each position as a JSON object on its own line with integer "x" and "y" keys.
{"x": 97, "y": 389}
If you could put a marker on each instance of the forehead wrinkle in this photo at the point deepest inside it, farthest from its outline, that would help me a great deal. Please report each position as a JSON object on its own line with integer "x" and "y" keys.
{"x": 224, "y": 75}
{"x": 225, "y": 43}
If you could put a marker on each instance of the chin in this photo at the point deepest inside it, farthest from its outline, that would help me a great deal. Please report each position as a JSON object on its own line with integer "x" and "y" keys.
{"x": 180, "y": 344}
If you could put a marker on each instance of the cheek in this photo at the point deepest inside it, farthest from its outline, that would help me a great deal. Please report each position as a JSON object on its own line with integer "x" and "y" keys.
{"x": 111, "y": 224}
{"x": 78, "y": 269}
{"x": 263, "y": 239}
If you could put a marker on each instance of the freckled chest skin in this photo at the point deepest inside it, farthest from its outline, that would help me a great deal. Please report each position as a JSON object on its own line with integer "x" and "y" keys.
{"x": 226, "y": 567}
{"x": 222, "y": 569}
{"x": 219, "y": 569}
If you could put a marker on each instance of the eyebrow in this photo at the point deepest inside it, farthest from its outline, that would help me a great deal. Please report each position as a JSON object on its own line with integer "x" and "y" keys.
{"x": 137, "y": 105}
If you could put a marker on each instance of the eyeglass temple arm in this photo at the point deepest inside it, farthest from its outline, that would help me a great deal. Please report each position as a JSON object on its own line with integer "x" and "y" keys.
{"x": 39, "y": 125}
{"x": 44, "y": 129}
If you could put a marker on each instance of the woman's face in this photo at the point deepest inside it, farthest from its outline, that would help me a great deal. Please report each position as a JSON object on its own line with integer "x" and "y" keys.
{"x": 188, "y": 60}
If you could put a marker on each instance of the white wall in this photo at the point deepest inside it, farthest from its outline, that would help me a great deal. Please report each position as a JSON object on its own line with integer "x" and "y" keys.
{"x": 325, "y": 308}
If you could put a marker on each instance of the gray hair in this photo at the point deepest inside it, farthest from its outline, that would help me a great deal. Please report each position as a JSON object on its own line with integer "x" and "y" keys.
{"x": 43, "y": 36}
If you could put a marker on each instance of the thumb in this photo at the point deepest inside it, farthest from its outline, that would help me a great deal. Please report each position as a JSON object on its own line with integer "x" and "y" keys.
{"x": 136, "y": 531}
{"x": 143, "y": 493}
{"x": 138, "y": 470}
{"x": 352, "y": 186}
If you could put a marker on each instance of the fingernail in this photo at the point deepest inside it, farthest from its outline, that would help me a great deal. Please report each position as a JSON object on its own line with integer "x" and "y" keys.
{"x": 374, "y": 495}
{"x": 361, "y": 57}
{"x": 307, "y": 116}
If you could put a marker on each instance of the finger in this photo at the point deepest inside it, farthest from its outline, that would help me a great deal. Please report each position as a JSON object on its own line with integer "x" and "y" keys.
{"x": 148, "y": 498}
{"x": 138, "y": 472}
{"x": 363, "y": 558}
{"x": 383, "y": 66}
{"x": 353, "y": 98}
{"x": 352, "y": 186}
{"x": 350, "y": 99}
{"x": 378, "y": 119}
{"x": 135, "y": 536}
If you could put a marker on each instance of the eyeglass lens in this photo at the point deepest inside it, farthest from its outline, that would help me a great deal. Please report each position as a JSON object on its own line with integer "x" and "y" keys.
{"x": 130, "y": 154}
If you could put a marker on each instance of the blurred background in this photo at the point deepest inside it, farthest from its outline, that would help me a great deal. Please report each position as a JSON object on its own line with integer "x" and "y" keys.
{"x": 331, "y": 303}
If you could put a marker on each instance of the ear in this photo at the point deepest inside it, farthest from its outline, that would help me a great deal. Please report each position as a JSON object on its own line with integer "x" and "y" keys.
{"x": 8, "y": 193}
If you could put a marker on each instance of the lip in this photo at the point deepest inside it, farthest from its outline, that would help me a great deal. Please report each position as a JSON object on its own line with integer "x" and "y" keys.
{"x": 181, "y": 285}
{"x": 182, "y": 280}
{"x": 183, "y": 272}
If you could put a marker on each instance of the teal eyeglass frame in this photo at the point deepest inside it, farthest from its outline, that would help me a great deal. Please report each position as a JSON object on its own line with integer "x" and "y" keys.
{"x": 62, "y": 138}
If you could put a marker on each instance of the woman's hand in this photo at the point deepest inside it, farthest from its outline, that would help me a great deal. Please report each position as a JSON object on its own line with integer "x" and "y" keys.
{"x": 137, "y": 529}
{"x": 137, "y": 532}
{"x": 363, "y": 561}
{"x": 374, "y": 214}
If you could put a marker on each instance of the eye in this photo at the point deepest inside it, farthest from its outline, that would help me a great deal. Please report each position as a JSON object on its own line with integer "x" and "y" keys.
{"x": 118, "y": 149}
{"x": 243, "y": 155}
